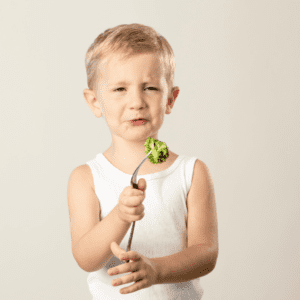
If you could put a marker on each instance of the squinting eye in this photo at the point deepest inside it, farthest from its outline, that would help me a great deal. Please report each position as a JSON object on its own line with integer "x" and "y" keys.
{"x": 150, "y": 87}
{"x": 119, "y": 89}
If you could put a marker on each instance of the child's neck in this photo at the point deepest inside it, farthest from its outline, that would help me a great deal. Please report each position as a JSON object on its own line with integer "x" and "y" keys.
{"x": 128, "y": 166}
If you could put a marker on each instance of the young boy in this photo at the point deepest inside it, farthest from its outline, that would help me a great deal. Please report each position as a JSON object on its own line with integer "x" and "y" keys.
{"x": 130, "y": 76}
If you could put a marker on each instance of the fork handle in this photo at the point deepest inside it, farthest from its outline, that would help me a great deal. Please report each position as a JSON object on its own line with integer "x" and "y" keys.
{"x": 135, "y": 186}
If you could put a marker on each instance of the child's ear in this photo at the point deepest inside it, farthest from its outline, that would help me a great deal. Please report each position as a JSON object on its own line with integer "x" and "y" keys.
{"x": 92, "y": 102}
{"x": 171, "y": 99}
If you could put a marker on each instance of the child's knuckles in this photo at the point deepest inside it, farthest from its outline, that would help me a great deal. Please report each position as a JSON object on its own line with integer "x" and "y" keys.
{"x": 138, "y": 218}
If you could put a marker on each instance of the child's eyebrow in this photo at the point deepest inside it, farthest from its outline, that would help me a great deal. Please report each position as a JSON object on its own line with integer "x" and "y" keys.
{"x": 127, "y": 83}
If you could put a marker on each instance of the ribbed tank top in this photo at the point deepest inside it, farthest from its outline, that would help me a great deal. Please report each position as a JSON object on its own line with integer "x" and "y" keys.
{"x": 162, "y": 231}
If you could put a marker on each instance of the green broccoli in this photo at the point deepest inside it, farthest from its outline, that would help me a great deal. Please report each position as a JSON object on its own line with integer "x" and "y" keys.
{"x": 159, "y": 149}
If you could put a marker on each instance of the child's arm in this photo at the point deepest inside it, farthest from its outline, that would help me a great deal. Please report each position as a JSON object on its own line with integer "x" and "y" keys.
{"x": 198, "y": 259}
{"x": 91, "y": 238}
{"x": 201, "y": 255}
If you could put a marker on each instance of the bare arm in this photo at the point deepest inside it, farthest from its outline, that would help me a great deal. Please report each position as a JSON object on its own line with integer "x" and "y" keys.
{"x": 200, "y": 257}
{"x": 91, "y": 237}
{"x": 191, "y": 263}
{"x": 93, "y": 250}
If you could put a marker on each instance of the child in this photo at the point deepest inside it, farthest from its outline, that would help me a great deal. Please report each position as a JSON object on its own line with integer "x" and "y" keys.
{"x": 130, "y": 72}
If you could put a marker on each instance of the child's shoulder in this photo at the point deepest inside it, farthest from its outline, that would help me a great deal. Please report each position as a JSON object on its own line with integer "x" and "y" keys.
{"x": 85, "y": 173}
{"x": 84, "y": 206}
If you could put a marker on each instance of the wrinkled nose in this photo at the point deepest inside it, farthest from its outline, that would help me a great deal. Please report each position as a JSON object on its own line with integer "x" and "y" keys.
{"x": 137, "y": 101}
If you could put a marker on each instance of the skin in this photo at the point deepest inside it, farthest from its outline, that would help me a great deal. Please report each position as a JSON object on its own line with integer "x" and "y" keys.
{"x": 143, "y": 272}
{"x": 133, "y": 99}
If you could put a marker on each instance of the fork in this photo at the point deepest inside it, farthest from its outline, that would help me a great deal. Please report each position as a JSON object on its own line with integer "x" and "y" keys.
{"x": 135, "y": 185}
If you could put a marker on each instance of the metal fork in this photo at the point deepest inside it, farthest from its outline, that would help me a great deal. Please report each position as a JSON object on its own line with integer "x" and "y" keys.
{"x": 134, "y": 184}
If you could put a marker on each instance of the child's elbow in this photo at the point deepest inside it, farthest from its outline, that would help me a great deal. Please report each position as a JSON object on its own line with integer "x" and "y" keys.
{"x": 82, "y": 263}
{"x": 87, "y": 265}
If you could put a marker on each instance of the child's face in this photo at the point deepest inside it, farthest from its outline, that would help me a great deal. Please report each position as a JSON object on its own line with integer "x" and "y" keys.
{"x": 131, "y": 89}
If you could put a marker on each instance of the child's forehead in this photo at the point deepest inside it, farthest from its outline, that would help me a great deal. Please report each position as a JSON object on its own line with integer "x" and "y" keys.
{"x": 113, "y": 64}
{"x": 124, "y": 58}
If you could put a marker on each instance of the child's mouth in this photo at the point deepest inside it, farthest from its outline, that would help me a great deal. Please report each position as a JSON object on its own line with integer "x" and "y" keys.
{"x": 138, "y": 122}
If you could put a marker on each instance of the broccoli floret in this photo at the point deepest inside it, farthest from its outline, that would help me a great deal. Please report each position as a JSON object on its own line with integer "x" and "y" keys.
{"x": 159, "y": 149}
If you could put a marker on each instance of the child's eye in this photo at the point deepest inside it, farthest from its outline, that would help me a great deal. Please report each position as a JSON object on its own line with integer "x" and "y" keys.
{"x": 119, "y": 89}
{"x": 150, "y": 87}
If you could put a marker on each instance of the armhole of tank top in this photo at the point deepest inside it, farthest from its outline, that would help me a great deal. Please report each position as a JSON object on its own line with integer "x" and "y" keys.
{"x": 91, "y": 179}
{"x": 190, "y": 170}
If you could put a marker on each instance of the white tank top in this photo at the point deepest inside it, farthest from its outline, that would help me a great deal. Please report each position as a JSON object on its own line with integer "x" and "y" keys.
{"x": 162, "y": 231}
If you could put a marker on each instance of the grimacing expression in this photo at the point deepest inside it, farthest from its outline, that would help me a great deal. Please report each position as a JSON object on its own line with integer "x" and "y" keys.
{"x": 130, "y": 89}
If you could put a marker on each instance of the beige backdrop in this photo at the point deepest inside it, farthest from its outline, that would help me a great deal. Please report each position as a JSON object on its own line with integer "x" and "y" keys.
{"x": 238, "y": 67}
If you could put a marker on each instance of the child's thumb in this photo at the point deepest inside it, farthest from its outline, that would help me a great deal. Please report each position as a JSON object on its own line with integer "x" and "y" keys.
{"x": 142, "y": 185}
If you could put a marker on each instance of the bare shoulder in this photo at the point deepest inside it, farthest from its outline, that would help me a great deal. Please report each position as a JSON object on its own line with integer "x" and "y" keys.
{"x": 83, "y": 176}
{"x": 203, "y": 168}
{"x": 84, "y": 205}
{"x": 86, "y": 172}
{"x": 201, "y": 205}
{"x": 202, "y": 179}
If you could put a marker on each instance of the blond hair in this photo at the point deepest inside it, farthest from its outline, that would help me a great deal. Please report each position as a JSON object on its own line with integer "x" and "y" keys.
{"x": 129, "y": 39}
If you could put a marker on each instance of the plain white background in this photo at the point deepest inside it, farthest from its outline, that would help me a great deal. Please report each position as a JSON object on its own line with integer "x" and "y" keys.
{"x": 238, "y": 68}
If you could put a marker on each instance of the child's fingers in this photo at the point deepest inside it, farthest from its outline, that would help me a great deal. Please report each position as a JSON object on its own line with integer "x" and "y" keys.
{"x": 142, "y": 185}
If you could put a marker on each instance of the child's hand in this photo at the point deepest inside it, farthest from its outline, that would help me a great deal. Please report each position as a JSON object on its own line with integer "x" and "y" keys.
{"x": 130, "y": 207}
{"x": 143, "y": 271}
